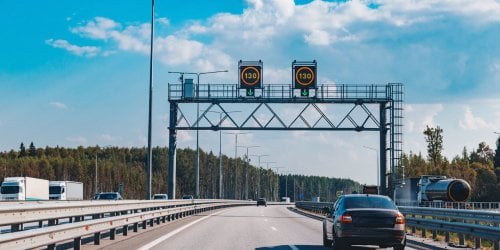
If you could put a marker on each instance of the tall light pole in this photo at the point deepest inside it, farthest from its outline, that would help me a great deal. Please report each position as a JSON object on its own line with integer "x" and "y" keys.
{"x": 150, "y": 150}
{"x": 277, "y": 183}
{"x": 236, "y": 161}
{"x": 197, "y": 165}
{"x": 269, "y": 179}
{"x": 220, "y": 146}
{"x": 378, "y": 167}
{"x": 258, "y": 186}
{"x": 246, "y": 169}
{"x": 286, "y": 182}
{"x": 96, "y": 190}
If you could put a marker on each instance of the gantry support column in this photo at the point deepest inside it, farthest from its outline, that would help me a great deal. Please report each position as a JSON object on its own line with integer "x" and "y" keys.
{"x": 172, "y": 145}
{"x": 383, "y": 148}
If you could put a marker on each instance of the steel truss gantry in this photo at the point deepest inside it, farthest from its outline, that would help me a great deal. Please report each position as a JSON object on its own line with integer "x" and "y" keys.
{"x": 358, "y": 115}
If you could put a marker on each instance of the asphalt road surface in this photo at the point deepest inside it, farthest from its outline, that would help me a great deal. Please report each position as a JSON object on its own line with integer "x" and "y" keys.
{"x": 250, "y": 227}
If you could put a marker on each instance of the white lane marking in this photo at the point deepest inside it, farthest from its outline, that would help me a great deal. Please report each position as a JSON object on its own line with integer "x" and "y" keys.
{"x": 273, "y": 228}
{"x": 293, "y": 247}
{"x": 176, "y": 231}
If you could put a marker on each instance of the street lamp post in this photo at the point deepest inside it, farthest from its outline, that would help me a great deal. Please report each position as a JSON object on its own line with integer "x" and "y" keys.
{"x": 277, "y": 183}
{"x": 96, "y": 190}
{"x": 269, "y": 179}
{"x": 258, "y": 186}
{"x": 197, "y": 165}
{"x": 150, "y": 122}
{"x": 220, "y": 147}
{"x": 378, "y": 167}
{"x": 286, "y": 182}
{"x": 246, "y": 169}
{"x": 236, "y": 161}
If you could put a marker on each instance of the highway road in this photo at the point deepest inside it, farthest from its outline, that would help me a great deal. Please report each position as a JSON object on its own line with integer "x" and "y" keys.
{"x": 250, "y": 227}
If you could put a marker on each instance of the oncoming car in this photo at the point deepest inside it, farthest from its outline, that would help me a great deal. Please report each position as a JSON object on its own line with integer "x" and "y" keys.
{"x": 262, "y": 202}
{"x": 364, "y": 219}
{"x": 160, "y": 197}
{"x": 108, "y": 196}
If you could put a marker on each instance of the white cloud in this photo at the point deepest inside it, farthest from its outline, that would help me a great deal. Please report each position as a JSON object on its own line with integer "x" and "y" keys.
{"x": 99, "y": 28}
{"x": 471, "y": 122}
{"x": 418, "y": 116}
{"x": 59, "y": 105}
{"x": 163, "y": 21}
{"x": 88, "y": 51}
{"x": 184, "y": 136}
{"x": 79, "y": 140}
{"x": 108, "y": 138}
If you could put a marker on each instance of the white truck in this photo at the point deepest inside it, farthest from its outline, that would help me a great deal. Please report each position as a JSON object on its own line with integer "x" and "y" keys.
{"x": 66, "y": 190}
{"x": 25, "y": 188}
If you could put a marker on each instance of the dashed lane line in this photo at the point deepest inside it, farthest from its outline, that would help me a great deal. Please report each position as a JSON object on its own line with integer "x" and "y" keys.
{"x": 178, "y": 230}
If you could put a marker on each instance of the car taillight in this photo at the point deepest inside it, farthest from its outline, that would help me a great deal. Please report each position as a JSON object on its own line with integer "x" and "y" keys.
{"x": 400, "y": 219}
{"x": 346, "y": 218}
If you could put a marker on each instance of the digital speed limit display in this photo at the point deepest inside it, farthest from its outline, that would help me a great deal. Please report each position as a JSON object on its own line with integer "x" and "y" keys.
{"x": 250, "y": 74}
{"x": 304, "y": 76}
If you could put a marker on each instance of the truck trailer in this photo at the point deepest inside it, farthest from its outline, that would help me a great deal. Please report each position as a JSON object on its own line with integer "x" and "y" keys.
{"x": 430, "y": 188}
{"x": 66, "y": 190}
{"x": 25, "y": 188}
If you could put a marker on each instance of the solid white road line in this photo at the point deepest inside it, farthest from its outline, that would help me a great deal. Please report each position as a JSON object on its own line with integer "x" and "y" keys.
{"x": 176, "y": 231}
{"x": 273, "y": 228}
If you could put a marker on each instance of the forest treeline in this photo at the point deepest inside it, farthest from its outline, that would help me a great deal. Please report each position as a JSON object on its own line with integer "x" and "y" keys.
{"x": 480, "y": 167}
{"x": 127, "y": 167}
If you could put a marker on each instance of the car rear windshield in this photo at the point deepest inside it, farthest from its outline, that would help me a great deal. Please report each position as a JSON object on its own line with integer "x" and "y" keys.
{"x": 107, "y": 196}
{"x": 368, "y": 202}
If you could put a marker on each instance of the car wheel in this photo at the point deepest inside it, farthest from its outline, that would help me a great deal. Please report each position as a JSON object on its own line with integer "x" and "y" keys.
{"x": 326, "y": 241}
{"x": 400, "y": 247}
{"x": 338, "y": 244}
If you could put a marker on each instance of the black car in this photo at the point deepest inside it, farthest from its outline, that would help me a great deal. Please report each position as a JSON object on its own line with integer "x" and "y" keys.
{"x": 261, "y": 201}
{"x": 108, "y": 196}
{"x": 364, "y": 219}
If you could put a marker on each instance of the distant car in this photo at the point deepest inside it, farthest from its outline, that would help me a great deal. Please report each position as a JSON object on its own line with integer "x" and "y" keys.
{"x": 364, "y": 219}
{"x": 160, "y": 197}
{"x": 187, "y": 197}
{"x": 261, "y": 201}
{"x": 108, "y": 196}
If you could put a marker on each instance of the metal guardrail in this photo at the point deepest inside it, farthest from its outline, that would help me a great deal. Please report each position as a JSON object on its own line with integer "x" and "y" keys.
{"x": 120, "y": 215}
{"x": 478, "y": 224}
{"x": 456, "y": 205}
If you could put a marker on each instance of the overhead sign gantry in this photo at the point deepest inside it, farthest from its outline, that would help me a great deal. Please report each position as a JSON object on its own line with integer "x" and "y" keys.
{"x": 363, "y": 99}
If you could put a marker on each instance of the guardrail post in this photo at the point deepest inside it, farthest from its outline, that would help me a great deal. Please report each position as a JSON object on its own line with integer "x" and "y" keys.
{"x": 16, "y": 227}
{"x": 125, "y": 230}
{"x": 144, "y": 224}
{"x": 136, "y": 225}
{"x": 478, "y": 240}
{"x": 496, "y": 244}
{"x": 151, "y": 222}
{"x": 52, "y": 222}
{"x": 97, "y": 238}
{"x": 461, "y": 239}
{"x": 40, "y": 224}
{"x": 434, "y": 232}
{"x": 77, "y": 243}
{"x": 414, "y": 228}
{"x": 112, "y": 234}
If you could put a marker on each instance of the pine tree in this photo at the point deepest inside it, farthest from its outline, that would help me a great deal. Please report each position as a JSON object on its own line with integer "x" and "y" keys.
{"x": 497, "y": 155}
{"x": 22, "y": 150}
{"x": 32, "y": 150}
{"x": 434, "y": 139}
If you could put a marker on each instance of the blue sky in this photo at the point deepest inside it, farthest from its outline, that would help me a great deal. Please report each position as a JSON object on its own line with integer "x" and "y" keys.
{"x": 76, "y": 72}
